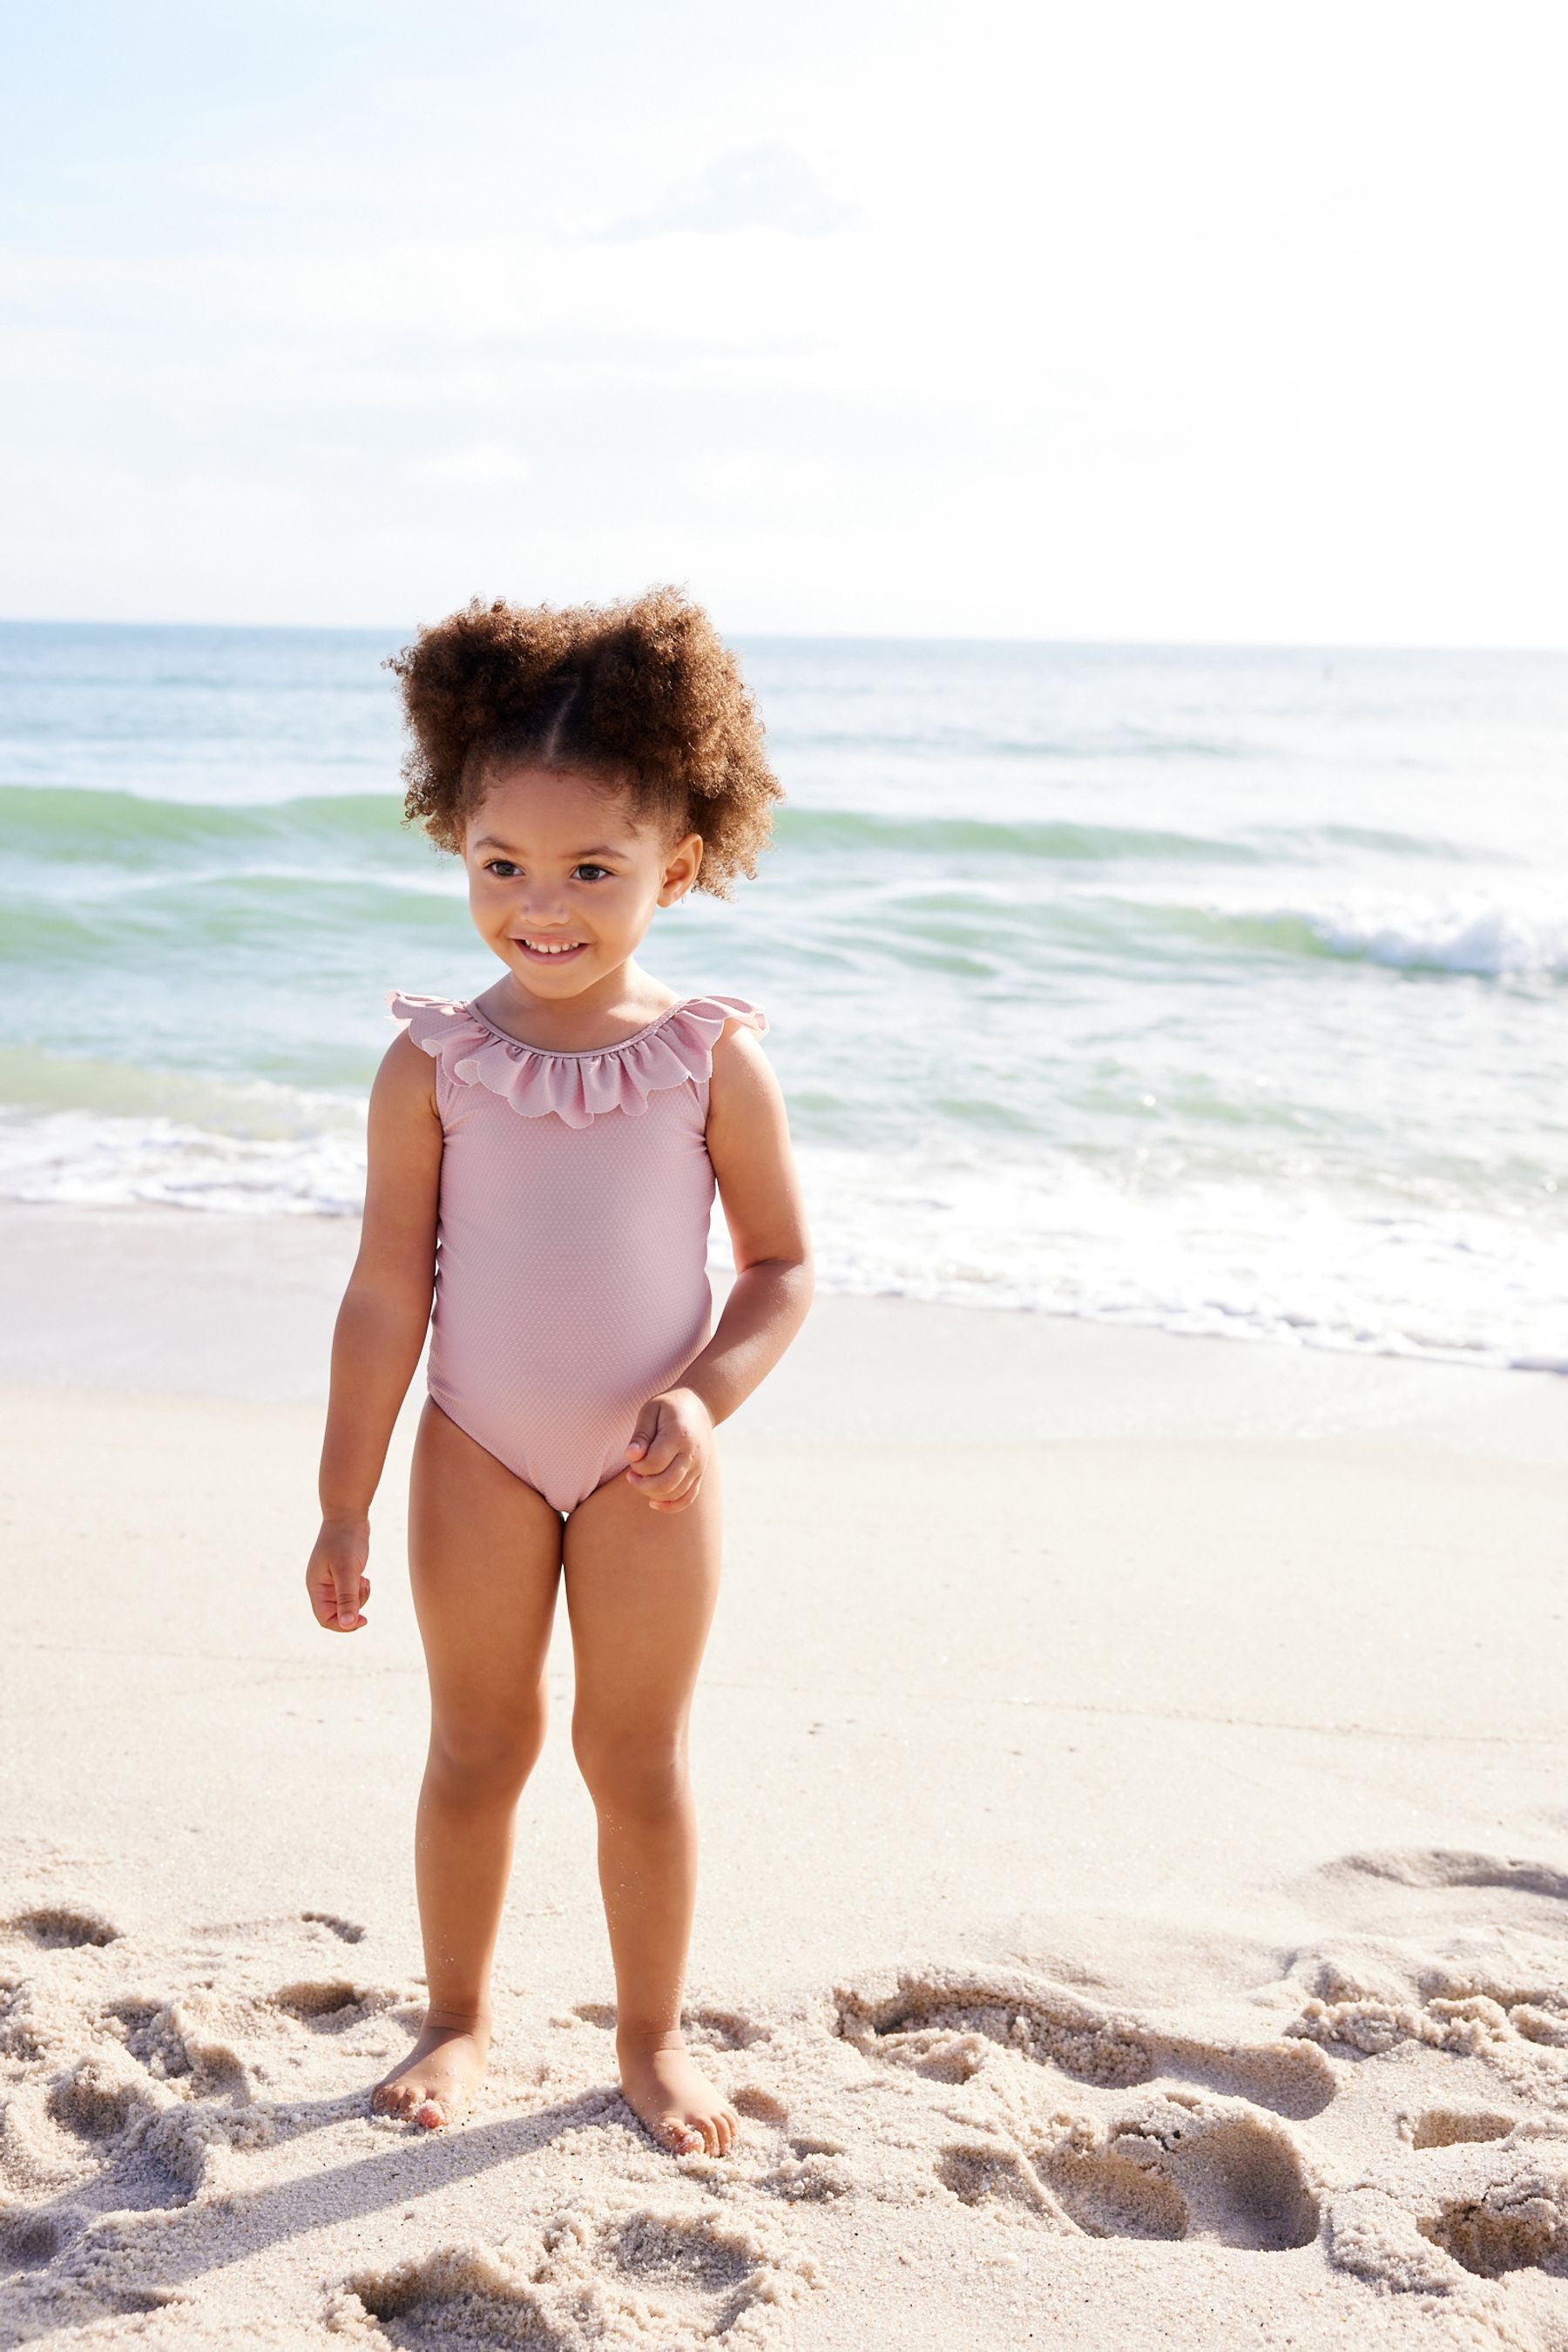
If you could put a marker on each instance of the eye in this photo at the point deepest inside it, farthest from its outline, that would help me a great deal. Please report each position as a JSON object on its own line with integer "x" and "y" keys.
{"x": 503, "y": 866}
{"x": 590, "y": 873}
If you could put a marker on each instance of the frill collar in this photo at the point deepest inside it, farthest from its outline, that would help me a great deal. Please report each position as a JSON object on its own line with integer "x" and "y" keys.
{"x": 577, "y": 1088}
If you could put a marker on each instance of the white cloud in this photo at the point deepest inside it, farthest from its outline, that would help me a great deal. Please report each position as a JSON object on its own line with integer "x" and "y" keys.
{"x": 482, "y": 465}
{"x": 770, "y": 186}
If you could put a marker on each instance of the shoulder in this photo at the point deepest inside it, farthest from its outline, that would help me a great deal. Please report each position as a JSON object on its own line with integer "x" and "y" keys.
{"x": 405, "y": 1079}
{"x": 741, "y": 1085}
{"x": 738, "y": 1054}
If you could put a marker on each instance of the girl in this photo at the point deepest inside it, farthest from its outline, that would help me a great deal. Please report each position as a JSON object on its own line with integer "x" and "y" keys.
{"x": 544, "y": 1160}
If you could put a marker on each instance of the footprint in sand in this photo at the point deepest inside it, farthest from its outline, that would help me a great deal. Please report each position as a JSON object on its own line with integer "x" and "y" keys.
{"x": 941, "y": 2025}
{"x": 58, "y": 1927}
{"x": 695, "y": 2272}
{"x": 1169, "y": 2171}
{"x": 28, "y": 2239}
{"x": 992, "y": 2175}
{"x": 726, "y": 2028}
{"x": 687, "y": 2276}
{"x": 429, "y": 2300}
{"x": 1459, "y": 2128}
{"x": 1172, "y": 2171}
{"x": 1438, "y": 1868}
{"x": 1514, "y": 2225}
{"x": 347, "y": 1931}
{"x": 95, "y": 2103}
{"x": 330, "y": 2006}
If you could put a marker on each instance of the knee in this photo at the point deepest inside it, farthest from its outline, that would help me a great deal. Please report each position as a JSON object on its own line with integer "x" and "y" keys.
{"x": 480, "y": 1761}
{"x": 634, "y": 1775}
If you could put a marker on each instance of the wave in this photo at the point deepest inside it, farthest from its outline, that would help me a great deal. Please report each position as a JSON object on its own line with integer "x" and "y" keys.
{"x": 72, "y": 825}
{"x": 243, "y": 1109}
{"x": 927, "y": 741}
{"x": 1489, "y": 939}
{"x": 55, "y": 822}
{"x": 1038, "y": 838}
{"x": 1486, "y": 935}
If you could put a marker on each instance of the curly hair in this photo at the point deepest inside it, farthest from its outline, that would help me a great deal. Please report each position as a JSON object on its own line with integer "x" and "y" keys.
{"x": 642, "y": 694}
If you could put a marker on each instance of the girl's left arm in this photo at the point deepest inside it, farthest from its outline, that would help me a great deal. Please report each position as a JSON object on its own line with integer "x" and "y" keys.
{"x": 748, "y": 1142}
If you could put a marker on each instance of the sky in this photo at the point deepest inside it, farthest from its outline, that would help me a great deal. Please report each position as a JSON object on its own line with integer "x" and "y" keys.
{"x": 1130, "y": 321}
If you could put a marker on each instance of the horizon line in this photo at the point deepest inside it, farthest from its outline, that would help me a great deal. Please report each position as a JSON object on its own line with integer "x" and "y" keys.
{"x": 402, "y": 632}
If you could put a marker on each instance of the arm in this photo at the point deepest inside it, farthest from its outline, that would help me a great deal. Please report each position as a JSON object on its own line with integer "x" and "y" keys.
{"x": 748, "y": 1142}
{"x": 380, "y": 1326}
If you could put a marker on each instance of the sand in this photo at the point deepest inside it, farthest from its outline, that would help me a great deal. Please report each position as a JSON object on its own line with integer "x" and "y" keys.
{"x": 1135, "y": 1883}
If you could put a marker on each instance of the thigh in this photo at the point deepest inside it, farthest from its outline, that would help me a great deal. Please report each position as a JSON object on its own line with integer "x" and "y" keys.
{"x": 641, "y": 1587}
{"x": 484, "y": 1559}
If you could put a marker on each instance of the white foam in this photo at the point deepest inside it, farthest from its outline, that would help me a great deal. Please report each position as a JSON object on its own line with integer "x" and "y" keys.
{"x": 1228, "y": 1257}
{"x": 1503, "y": 931}
{"x": 95, "y": 1159}
{"x": 1471, "y": 931}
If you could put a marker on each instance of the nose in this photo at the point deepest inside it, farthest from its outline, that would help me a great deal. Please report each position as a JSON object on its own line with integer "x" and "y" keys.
{"x": 539, "y": 908}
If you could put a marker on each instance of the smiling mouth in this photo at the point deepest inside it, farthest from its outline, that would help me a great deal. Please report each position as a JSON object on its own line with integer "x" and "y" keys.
{"x": 550, "y": 950}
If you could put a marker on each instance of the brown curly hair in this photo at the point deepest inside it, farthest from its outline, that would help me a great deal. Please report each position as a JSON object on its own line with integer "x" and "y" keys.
{"x": 641, "y": 693}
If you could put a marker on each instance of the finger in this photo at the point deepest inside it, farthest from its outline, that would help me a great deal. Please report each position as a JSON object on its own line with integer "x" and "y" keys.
{"x": 659, "y": 1437}
{"x": 352, "y": 1588}
{"x": 324, "y": 1596}
{"x": 681, "y": 1502}
{"x": 667, "y": 1449}
{"x": 662, "y": 1484}
{"x": 677, "y": 1484}
{"x": 643, "y": 1429}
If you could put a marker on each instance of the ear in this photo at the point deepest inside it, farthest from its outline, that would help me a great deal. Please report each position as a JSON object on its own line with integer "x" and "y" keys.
{"x": 680, "y": 869}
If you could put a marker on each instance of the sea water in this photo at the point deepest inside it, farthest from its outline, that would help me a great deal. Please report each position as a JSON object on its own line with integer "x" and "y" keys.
{"x": 1219, "y": 990}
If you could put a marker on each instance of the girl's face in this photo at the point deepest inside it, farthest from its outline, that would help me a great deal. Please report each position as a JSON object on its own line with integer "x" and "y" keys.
{"x": 563, "y": 877}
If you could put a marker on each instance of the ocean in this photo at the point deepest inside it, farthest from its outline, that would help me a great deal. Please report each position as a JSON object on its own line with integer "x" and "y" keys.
{"x": 1217, "y": 990}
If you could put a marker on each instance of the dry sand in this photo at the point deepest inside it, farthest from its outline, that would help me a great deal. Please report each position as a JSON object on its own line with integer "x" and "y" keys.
{"x": 1135, "y": 1884}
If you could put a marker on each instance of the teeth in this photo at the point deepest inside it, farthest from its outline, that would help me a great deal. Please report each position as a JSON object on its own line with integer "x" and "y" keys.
{"x": 543, "y": 947}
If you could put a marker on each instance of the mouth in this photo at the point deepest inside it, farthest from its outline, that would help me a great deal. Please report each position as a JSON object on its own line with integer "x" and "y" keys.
{"x": 550, "y": 951}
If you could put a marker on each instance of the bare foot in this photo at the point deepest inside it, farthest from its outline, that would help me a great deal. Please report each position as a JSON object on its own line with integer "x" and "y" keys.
{"x": 668, "y": 2092}
{"x": 436, "y": 2082}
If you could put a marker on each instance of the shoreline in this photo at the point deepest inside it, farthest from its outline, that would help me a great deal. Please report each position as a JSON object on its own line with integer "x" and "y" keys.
{"x": 158, "y": 1300}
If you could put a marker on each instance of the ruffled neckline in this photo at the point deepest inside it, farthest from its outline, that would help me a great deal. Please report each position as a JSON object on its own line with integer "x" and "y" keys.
{"x": 576, "y": 1086}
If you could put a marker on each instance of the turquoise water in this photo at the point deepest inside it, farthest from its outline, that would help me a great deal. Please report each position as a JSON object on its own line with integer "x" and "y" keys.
{"x": 1221, "y": 990}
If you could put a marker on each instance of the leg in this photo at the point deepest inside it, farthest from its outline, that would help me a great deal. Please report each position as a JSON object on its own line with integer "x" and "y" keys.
{"x": 484, "y": 1555}
{"x": 640, "y": 1589}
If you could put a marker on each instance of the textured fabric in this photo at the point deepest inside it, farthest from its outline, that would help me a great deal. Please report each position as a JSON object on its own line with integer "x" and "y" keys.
{"x": 572, "y": 1247}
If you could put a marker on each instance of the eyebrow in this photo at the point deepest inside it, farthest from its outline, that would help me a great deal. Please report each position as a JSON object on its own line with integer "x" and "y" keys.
{"x": 600, "y": 848}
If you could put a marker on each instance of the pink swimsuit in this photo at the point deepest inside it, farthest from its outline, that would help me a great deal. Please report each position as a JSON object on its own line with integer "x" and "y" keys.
{"x": 571, "y": 1245}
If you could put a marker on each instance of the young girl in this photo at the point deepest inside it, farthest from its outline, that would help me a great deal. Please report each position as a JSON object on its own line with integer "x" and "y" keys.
{"x": 544, "y": 1160}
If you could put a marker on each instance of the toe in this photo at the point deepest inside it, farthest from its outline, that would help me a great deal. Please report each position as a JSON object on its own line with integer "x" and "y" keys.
{"x": 430, "y": 2116}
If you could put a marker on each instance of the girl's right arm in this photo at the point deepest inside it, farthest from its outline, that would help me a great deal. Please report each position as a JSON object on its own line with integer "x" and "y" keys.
{"x": 381, "y": 1326}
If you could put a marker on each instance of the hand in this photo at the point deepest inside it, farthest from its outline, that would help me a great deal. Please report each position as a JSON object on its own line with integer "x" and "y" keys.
{"x": 669, "y": 1449}
{"x": 335, "y": 1580}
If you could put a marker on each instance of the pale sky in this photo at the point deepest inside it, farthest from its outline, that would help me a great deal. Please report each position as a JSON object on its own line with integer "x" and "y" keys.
{"x": 1119, "y": 319}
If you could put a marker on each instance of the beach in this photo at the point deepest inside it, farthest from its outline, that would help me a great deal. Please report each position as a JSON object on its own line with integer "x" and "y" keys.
{"x": 1135, "y": 1852}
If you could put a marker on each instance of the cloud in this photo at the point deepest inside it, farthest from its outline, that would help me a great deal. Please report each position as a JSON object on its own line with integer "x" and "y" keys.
{"x": 769, "y": 186}
{"x": 483, "y": 466}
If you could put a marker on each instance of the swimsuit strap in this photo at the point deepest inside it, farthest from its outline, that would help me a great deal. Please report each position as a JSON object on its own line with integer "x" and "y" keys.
{"x": 679, "y": 1045}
